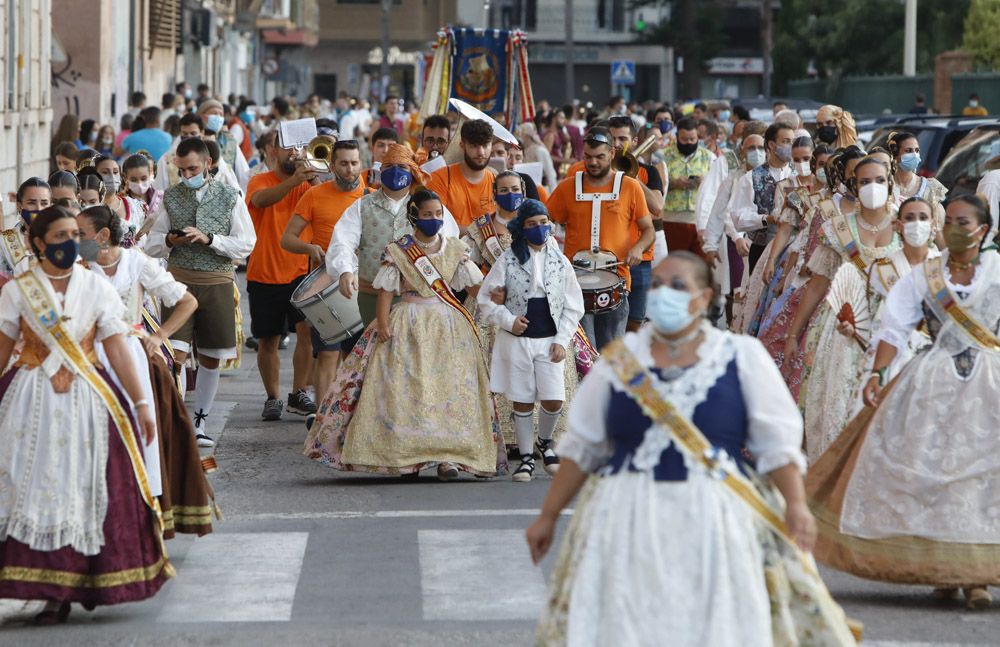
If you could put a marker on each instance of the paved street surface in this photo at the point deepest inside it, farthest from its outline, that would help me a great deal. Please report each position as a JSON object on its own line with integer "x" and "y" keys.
{"x": 305, "y": 555}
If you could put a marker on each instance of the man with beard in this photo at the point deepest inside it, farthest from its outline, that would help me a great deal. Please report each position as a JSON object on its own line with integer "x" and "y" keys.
{"x": 273, "y": 273}
{"x": 320, "y": 209}
{"x": 466, "y": 188}
{"x": 618, "y": 220}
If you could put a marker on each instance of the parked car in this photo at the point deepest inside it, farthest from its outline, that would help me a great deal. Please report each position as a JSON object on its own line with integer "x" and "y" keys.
{"x": 970, "y": 159}
{"x": 867, "y": 125}
{"x": 937, "y": 136}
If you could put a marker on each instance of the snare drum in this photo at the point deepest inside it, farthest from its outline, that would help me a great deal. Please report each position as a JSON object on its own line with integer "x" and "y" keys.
{"x": 333, "y": 316}
{"x": 603, "y": 291}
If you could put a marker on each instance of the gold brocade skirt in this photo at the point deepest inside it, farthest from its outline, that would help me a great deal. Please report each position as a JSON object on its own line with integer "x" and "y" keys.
{"x": 425, "y": 397}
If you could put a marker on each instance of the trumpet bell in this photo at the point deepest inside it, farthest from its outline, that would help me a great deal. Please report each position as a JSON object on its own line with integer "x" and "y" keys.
{"x": 319, "y": 153}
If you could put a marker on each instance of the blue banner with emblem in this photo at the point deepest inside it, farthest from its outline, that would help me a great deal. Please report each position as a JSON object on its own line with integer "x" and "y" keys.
{"x": 479, "y": 72}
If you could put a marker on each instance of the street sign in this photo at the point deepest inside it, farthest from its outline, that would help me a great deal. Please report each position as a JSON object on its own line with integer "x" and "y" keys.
{"x": 623, "y": 72}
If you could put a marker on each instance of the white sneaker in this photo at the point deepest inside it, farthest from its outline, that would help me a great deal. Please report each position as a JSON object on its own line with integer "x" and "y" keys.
{"x": 204, "y": 440}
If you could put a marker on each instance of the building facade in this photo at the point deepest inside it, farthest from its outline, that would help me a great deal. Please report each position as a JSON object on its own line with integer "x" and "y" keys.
{"x": 25, "y": 95}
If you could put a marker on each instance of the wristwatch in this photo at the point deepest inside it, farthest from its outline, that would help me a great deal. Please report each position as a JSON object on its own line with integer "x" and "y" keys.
{"x": 211, "y": 237}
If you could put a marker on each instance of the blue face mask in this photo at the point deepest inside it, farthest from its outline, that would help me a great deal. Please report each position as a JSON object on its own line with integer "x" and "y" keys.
{"x": 63, "y": 255}
{"x": 724, "y": 115}
{"x": 910, "y": 162}
{"x": 429, "y": 227}
{"x": 667, "y": 308}
{"x": 246, "y": 117}
{"x": 28, "y": 216}
{"x": 538, "y": 235}
{"x": 195, "y": 182}
{"x": 396, "y": 177}
{"x": 665, "y": 125}
{"x": 510, "y": 201}
{"x": 214, "y": 123}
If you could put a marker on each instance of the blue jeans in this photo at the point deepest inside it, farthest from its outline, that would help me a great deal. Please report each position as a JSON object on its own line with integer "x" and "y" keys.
{"x": 642, "y": 276}
{"x": 602, "y": 328}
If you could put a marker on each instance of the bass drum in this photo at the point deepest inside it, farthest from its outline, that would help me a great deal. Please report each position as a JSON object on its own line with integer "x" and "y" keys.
{"x": 334, "y": 317}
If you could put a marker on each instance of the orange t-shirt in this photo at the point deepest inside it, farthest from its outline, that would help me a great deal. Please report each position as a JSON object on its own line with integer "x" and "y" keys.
{"x": 321, "y": 207}
{"x": 269, "y": 263}
{"x": 465, "y": 201}
{"x": 543, "y": 193}
{"x": 617, "y": 218}
{"x": 642, "y": 176}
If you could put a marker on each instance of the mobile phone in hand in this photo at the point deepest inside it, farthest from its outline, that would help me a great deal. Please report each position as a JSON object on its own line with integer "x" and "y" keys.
{"x": 177, "y": 232}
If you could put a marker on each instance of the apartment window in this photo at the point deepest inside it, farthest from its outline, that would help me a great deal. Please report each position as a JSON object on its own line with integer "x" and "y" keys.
{"x": 611, "y": 15}
{"x": 523, "y": 15}
{"x": 164, "y": 24}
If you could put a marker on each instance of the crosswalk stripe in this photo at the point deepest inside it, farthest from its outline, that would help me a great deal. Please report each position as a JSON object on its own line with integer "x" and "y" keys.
{"x": 458, "y": 578}
{"x": 237, "y": 577}
{"x": 388, "y": 514}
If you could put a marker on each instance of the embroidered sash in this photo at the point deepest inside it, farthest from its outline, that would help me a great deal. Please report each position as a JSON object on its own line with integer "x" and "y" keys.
{"x": 689, "y": 439}
{"x": 943, "y": 298}
{"x": 13, "y": 246}
{"x": 154, "y": 325}
{"x": 58, "y": 339}
{"x": 842, "y": 230}
{"x": 430, "y": 275}
{"x": 490, "y": 246}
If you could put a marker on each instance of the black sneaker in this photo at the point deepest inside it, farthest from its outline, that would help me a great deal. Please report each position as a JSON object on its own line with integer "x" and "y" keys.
{"x": 300, "y": 403}
{"x": 549, "y": 458}
{"x": 525, "y": 470}
{"x": 283, "y": 344}
{"x": 251, "y": 343}
{"x": 272, "y": 409}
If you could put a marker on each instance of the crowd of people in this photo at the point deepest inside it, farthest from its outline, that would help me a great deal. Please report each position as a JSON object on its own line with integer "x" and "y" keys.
{"x": 762, "y": 297}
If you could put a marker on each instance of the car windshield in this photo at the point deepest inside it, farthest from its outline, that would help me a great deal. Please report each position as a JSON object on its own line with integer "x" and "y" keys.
{"x": 963, "y": 169}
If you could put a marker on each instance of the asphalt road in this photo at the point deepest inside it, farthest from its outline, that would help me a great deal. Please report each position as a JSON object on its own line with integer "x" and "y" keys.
{"x": 305, "y": 555}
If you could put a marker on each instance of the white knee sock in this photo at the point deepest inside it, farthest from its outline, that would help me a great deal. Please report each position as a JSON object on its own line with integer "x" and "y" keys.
{"x": 524, "y": 430}
{"x": 547, "y": 422}
{"x": 205, "y": 389}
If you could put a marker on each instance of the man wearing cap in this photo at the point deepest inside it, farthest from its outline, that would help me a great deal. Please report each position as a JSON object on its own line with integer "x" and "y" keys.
{"x": 368, "y": 226}
{"x": 616, "y": 205}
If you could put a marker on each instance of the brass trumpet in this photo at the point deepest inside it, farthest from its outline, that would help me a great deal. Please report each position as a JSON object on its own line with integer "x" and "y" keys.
{"x": 628, "y": 163}
{"x": 319, "y": 153}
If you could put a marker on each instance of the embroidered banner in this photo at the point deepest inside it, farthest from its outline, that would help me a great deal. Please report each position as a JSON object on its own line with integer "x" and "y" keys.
{"x": 480, "y": 70}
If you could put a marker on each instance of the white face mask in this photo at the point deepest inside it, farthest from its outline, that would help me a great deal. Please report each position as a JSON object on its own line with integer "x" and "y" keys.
{"x": 917, "y": 233}
{"x": 874, "y": 195}
{"x": 802, "y": 169}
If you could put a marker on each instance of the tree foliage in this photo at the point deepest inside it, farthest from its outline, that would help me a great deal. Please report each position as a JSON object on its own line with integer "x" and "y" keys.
{"x": 982, "y": 32}
{"x": 857, "y": 37}
{"x": 694, "y": 31}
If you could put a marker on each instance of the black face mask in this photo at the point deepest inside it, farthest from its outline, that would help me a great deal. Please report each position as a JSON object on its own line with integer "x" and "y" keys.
{"x": 687, "y": 149}
{"x": 827, "y": 134}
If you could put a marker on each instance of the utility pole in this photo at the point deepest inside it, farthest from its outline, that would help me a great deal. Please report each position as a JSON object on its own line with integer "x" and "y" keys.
{"x": 767, "y": 44}
{"x": 570, "y": 88}
{"x": 384, "y": 68}
{"x": 910, "y": 39}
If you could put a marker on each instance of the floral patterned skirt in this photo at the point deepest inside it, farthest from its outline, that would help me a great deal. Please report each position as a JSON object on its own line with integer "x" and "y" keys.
{"x": 420, "y": 398}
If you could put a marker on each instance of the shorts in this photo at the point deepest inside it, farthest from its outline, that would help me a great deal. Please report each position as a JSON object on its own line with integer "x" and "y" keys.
{"x": 642, "y": 277}
{"x": 521, "y": 369}
{"x": 271, "y": 311}
{"x": 213, "y": 324}
{"x": 319, "y": 346}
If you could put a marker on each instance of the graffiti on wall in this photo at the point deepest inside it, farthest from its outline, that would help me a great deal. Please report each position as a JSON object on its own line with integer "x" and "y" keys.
{"x": 65, "y": 77}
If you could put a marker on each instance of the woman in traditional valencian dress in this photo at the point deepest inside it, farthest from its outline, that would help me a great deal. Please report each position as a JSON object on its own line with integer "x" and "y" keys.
{"x": 792, "y": 200}
{"x": 907, "y": 494}
{"x": 415, "y": 389}
{"x": 839, "y": 168}
{"x": 77, "y": 520}
{"x": 700, "y": 578}
{"x": 854, "y": 251}
{"x": 509, "y": 194}
{"x": 905, "y": 149}
{"x": 172, "y": 460}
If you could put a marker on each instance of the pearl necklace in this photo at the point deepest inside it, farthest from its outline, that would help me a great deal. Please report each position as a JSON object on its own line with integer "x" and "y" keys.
{"x": 674, "y": 345}
{"x": 427, "y": 245}
{"x": 111, "y": 264}
{"x": 874, "y": 228}
{"x": 58, "y": 278}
